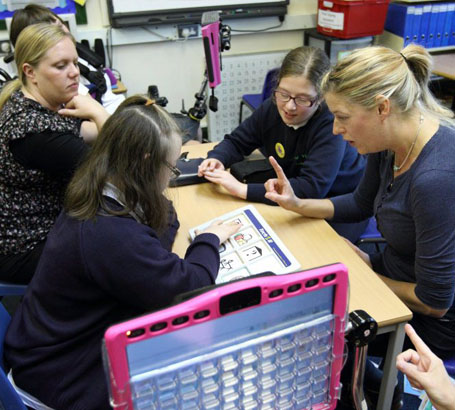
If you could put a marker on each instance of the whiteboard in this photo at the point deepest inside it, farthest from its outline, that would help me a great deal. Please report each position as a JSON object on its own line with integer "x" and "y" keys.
{"x": 124, "y": 6}
{"x": 242, "y": 74}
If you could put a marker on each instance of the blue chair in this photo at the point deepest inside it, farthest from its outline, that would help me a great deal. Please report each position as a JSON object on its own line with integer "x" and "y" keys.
{"x": 371, "y": 235}
{"x": 11, "y": 289}
{"x": 450, "y": 366}
{"x": 8, "y": 396}
{"x": 253, "y": 101}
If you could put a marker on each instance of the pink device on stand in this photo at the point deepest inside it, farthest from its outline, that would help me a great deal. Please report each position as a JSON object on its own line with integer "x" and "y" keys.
{"x": 210, "y": 35}
{"x": 216, "y": 38}
{"x": 265, "y": 342}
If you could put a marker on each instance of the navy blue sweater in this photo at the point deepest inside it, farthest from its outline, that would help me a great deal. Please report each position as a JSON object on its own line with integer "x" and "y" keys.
{"x": 415, "y": 215}
{"x": 318, "y": 163}
{"x": 92, "y": 275}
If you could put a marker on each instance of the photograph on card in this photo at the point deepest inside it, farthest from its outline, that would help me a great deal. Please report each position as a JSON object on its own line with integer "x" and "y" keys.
{"x": 244, "y": 237}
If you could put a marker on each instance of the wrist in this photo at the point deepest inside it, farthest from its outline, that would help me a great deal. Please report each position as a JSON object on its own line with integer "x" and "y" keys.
{"x": 100, "y": 117}
{"x": 242, "y": 191}
{"x": 448, "y": 400}
{"x": 298, "y": 206}
{"x": 221, "y": 165}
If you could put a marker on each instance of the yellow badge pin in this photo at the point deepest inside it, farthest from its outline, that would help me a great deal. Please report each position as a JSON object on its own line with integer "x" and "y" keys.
{"x": 279, "y": 149}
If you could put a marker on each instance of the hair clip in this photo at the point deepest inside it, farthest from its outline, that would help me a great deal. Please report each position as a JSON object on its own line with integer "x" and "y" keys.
{"x": 149, "y": 102}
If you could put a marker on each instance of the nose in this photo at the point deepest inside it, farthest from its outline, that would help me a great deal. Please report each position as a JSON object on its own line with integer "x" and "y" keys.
{"x": 74, "y": 72}
{"x": 291, "y": 105}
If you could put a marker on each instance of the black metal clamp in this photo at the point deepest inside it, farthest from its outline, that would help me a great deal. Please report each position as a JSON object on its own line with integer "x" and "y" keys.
{"x": 360, "y": 331}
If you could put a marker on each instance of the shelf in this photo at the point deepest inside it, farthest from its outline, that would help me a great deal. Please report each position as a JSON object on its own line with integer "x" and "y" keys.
{"x": 396, "y": 42}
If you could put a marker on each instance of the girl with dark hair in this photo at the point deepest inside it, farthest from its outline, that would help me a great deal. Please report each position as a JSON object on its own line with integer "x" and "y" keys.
{"x": 108, "y": 258}
{"x": 295, "y": 127}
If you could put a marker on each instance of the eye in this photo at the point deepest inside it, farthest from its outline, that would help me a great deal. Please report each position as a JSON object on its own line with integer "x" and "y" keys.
{"x": 302, "y": 101}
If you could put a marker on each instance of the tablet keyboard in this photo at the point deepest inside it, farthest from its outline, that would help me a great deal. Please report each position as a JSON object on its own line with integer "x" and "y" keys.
{"x": 288, "y": 369}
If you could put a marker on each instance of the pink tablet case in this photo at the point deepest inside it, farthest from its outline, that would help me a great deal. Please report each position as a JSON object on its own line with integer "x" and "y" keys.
{"x": 292, "y": 364}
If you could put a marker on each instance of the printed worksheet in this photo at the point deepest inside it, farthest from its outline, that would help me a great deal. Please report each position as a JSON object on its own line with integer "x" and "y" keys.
{"x": 255, "y": 248}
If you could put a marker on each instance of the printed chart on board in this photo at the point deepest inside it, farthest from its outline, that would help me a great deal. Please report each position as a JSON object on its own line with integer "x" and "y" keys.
{"x": 255, "y": 248}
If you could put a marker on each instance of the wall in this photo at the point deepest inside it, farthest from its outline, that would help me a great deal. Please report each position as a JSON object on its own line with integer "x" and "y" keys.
{"x": 177, "y": 67}
{"x": 98, "y": 16}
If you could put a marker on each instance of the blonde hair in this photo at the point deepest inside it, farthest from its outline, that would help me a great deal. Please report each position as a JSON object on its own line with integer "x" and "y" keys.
{"x": 32, "y": 44}
{"x": 402, "y": 77}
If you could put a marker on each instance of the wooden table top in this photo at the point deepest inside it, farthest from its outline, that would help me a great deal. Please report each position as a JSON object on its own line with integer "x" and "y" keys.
{"x": 444, "y": 65}
{"x": 312, "y": 242}
{"x": 121, "y": 88}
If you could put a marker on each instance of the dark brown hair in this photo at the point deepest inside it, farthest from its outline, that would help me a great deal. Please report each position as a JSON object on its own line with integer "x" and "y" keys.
{"x": 130, "y": 152}
{"x": 310, "y": 62}
{"x": 30, "y": 14}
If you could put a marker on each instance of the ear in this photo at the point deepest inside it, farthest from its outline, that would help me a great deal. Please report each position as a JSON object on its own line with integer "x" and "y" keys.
{"x": 382, "y": 106}
{"x": 29, "y": 72}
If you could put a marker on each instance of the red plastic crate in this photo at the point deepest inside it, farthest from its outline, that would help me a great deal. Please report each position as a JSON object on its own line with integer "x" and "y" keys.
{"x": 349, "y": 19}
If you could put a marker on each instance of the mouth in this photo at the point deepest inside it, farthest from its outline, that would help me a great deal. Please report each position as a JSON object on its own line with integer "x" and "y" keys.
{"x": 289, "y": 115}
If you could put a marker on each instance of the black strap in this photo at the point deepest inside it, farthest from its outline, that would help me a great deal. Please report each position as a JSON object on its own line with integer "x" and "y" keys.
{"x": 97, "y": 80}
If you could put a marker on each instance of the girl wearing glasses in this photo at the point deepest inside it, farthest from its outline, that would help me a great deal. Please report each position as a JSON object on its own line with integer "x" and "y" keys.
{"x": 295, "y": 127}
{"x": 107, "y": 258}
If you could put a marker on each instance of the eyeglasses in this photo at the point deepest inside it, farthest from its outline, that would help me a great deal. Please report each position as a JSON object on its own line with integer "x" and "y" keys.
{"x": 175, "y": 171}
{"x": 300, "y": 101}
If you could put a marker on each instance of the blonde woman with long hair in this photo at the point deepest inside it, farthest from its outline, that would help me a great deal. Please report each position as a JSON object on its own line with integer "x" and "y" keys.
{"x": 383, "y": 107}
{"x": 45, "y": 127}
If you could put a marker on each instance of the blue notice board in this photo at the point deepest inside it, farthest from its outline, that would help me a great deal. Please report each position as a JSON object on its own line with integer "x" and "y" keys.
{"x": 60, "y": 7}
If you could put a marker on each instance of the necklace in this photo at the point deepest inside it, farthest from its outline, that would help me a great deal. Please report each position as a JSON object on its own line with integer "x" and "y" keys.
{"x": 397, "y": 168}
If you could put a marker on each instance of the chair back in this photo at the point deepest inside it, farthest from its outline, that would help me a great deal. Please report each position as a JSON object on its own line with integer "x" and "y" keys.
{"x": 269, "y": 83}
{"x": 10, "y": 289}
{"x": 450, "y": 366}
{"x": 371, "y": 230}
{"x": 8, "y": 396}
